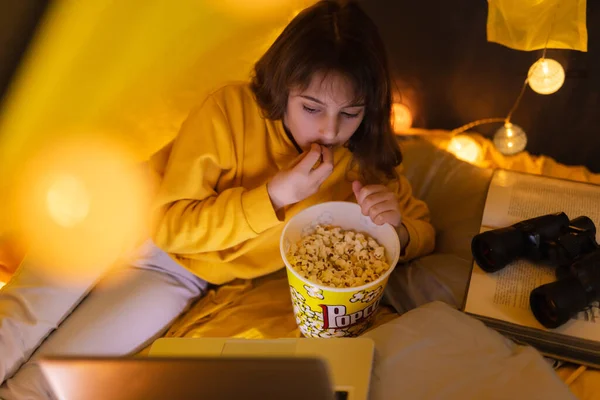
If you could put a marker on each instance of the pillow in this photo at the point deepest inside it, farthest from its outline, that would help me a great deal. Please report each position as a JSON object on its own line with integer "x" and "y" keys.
{"x": 436, "y": 352}
{"x": 455, "y": 192}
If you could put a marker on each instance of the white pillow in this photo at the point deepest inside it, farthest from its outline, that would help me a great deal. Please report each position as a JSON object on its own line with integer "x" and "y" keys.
{"x": 437, "y": 352}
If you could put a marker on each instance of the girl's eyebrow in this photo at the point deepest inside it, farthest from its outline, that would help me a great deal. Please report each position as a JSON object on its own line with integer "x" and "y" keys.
{"x": 323, "y": 104}
{"x": 312, "y": 99}
{"x": 355, "y": 105}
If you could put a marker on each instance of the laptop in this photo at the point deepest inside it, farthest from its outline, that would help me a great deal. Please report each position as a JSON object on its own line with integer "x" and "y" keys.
{"x": 212, "y": 378}
{"x": 350, "y": 360}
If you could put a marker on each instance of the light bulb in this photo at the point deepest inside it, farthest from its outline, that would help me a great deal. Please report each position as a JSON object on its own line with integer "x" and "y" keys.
{"x": 401, "y": 117}
{"x": 510, "y": 139}
{"x": 546, "y": 76}
{"x": 465, "y": 148}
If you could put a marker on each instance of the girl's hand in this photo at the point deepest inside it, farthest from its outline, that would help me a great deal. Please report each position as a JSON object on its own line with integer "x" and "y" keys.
{"x": 379, "y": 203}
{"x": 302, "y": 180}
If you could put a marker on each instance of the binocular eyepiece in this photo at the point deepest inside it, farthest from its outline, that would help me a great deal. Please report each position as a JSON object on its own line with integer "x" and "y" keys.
{"x": 569, "y": 245}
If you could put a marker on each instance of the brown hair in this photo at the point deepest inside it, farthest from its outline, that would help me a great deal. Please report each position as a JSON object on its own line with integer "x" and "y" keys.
{"x": 335, "y": 36}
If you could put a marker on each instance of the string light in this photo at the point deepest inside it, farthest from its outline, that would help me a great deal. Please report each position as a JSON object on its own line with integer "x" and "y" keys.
{"x": 402, "y": 118}
{"x": 510, "y": 139}
{"x": 546, "y": 76}
{"x": 465, "y": 148}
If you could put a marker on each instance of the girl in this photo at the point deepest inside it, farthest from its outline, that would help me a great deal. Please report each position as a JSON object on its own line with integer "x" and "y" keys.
{"x": 312, "y": 126}
{"x": 244, "y": 162}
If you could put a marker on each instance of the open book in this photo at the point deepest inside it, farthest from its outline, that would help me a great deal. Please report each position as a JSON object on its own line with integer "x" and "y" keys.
{"x": 501, "y": 299}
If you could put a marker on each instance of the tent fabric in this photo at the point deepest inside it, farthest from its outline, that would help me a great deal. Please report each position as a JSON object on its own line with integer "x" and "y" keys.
{"x": 535, "y": 24}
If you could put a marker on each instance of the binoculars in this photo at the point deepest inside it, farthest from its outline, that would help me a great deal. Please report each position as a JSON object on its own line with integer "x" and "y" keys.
{"x": 553, "y": 239}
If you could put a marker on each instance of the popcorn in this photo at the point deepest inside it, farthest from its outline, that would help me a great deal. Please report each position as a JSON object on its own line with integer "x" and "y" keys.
{"x": 338, "y": 258}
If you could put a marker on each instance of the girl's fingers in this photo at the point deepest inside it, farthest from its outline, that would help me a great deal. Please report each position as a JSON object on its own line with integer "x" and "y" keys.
{"x": 391, "y": 217}
{"x": 376, "y": 199}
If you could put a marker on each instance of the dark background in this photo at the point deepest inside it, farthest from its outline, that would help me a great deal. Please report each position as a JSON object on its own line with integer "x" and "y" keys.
{"x": 18, "y": 20}
{"x": 439, "y": 52}
{"x": 442, "y": 61}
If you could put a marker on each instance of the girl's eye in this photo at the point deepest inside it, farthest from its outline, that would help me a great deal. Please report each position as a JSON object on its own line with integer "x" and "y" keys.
{"x": 310, "y": 110}
{"x": 348, "y": 115}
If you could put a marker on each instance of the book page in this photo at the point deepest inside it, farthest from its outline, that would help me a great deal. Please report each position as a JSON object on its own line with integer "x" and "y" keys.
{"x": 504, "y": 295}
{"x": 513, "y": 197}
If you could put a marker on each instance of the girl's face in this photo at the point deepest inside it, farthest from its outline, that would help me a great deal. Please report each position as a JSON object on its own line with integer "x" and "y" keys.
{"x": 324, "y": 113}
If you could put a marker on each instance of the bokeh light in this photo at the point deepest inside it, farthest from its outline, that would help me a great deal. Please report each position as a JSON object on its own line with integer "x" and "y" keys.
{"x": 402, "y": 118}
{"x": 80, "y": 206}
{"x": 68, "y": 200}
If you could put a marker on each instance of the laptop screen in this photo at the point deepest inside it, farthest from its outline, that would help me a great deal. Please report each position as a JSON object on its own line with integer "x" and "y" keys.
{"x": 341, "y": 395}
{"x": 160, "y": 378}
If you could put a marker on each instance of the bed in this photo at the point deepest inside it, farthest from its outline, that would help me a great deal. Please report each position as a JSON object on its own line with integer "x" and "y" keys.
{"x": 431, "y": 333}
{"x": 261, "y": 308}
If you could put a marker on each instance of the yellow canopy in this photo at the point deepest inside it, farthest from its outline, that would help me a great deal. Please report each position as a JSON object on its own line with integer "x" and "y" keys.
{"x": 531, "y": 24}
{"x": 129, "y": 70}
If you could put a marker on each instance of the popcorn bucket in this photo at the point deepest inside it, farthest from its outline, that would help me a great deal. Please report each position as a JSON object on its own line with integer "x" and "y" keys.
{"x": 323, "y": 311}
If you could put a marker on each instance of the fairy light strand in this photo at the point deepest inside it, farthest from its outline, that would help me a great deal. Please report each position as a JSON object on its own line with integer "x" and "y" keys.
{"x": 517, "y": 102}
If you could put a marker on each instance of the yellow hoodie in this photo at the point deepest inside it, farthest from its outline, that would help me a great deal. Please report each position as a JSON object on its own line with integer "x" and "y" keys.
{"x": 214, "y": 213}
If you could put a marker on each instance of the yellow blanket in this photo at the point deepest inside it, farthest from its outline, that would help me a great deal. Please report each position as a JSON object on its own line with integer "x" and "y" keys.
{"x": 252, "y": 309}
{"x": 524, "y": 162}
